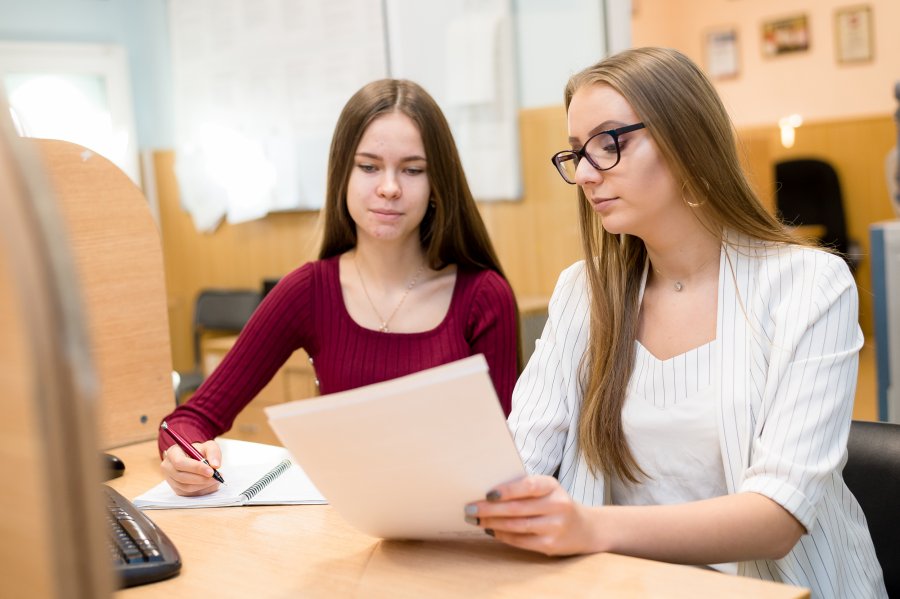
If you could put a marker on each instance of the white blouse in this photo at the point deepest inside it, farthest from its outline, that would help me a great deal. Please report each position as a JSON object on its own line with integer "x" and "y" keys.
{"x": 669, "y": 420}
{"x": 783, "y": 386}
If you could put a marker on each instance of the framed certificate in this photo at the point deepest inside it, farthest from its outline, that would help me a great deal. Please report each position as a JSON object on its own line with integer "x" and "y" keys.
{"x": 853, "y": 34}
{"x": 722, "y": 53}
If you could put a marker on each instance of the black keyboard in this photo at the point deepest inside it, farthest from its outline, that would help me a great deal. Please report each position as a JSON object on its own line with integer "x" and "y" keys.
{"x": 140, "y": 551}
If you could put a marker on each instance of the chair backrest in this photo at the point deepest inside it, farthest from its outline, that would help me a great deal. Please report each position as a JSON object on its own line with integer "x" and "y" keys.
{"x": 532, "y": 318}
{"x": 268, "y": 284}
{"x": 808, "y": 192}
{"x": 873, "y": 475}
{"x": 224, "y": 310}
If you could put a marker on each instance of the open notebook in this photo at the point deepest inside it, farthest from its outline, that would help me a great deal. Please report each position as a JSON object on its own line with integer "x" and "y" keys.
{"x": 255, "y": 474}
{"x": 400, "y": 459}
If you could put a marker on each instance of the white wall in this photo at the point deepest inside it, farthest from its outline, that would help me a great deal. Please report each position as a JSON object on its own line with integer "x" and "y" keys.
{"x": 556, "y": 39}
{"x": 138, "y": 25}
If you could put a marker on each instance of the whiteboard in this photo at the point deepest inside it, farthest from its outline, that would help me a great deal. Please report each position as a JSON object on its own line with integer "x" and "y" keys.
{"x": 259, "y": 85}
{"x": 462, "y": 52}
{"x": 258, "y": 88}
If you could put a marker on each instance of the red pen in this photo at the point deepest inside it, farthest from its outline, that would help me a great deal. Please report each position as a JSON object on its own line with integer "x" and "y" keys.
{"x": 190, "y": 450}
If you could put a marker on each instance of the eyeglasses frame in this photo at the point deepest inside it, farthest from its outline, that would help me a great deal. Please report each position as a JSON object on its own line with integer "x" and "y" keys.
{"x": 579, "y": 154}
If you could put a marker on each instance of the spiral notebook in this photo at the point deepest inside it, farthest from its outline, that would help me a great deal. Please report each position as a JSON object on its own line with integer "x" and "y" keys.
{"x": 254, "y": 473}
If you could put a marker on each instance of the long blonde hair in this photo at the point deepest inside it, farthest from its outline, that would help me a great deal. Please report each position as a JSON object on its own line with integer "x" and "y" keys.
{"x": 690, "y": 126}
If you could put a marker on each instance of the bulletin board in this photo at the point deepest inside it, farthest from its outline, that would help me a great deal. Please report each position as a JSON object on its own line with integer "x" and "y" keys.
{"x": 259, "y": 85}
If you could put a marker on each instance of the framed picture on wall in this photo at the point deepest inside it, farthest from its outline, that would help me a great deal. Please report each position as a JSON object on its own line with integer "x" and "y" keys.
{"x": 785, "y": 36}
{"x": 853, "y": 34}
{"x": 722, "y": 53}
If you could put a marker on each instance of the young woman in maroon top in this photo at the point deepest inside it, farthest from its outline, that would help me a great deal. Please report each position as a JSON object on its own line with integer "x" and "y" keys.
{"x": 406, "y": 279}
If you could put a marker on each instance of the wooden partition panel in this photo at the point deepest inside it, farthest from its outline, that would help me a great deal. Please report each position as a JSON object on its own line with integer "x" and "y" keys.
{"x": 50, "y": 519}
{"x": 118, "y": 255}
{"x": 25, "y": 502}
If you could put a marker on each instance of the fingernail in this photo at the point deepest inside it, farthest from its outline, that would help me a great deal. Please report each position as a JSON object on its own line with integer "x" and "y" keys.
{"x": 493, "y": 495}
{"x": 471, "y": 510}
{"x": 473, "y": 521}
{"x": 489, "y": 532}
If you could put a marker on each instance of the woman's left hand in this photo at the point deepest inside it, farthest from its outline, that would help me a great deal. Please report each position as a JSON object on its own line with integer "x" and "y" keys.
{"x": 535, "y": 513}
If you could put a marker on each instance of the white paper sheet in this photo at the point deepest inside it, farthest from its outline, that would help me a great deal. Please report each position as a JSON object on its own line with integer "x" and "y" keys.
{"x": 400, "y": 459}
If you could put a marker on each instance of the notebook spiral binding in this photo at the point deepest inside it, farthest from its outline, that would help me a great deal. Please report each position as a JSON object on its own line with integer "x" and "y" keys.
{"x": 265, "y": 480}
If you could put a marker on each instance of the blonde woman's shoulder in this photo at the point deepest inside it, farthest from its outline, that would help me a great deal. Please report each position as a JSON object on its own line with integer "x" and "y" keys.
{"x": 573, "y": 275}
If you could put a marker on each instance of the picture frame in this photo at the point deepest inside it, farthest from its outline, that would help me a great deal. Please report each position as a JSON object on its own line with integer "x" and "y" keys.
{"x": 785, "y": 35}
{"x": 853, "y": 34}
{"x": 722, "y": 56}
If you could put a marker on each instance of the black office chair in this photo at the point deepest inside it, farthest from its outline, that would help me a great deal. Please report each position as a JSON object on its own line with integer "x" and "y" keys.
{"x": 216, "y": 310}
{"x": 873, "y": 475}
{"x": 808, "y": 192}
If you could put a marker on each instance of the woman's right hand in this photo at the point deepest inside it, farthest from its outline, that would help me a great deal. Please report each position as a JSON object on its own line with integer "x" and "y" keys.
{"x": 188, "y": 476}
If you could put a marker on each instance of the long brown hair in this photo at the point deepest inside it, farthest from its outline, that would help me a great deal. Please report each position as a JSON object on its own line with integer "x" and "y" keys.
{"x": 452, "y": 231}
{"x": 690, "y": 126}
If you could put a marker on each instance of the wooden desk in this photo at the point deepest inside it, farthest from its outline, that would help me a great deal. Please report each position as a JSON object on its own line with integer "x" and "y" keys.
{"x": 309, "y": 551}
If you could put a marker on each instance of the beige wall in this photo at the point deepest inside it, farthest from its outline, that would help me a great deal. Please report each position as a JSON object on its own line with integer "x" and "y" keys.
{"x": 809, "y": 83}
{"x": 847, "y": 109}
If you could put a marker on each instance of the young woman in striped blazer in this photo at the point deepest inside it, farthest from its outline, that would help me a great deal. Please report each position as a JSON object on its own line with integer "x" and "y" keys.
{"x": 691, "y": 395}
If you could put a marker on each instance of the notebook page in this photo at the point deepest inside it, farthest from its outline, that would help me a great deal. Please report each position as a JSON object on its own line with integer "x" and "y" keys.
{"x": 244, "y": 463}
{"x": 292, "y": 487}
{"x": 237, "y": 479}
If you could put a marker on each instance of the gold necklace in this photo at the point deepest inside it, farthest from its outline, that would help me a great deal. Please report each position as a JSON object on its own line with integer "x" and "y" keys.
{"x": 677, "y": 285}
{"x": 386, "y": 321}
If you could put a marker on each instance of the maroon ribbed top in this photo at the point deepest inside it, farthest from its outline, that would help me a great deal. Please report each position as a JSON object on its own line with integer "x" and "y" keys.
{"x": 306, "y": 310}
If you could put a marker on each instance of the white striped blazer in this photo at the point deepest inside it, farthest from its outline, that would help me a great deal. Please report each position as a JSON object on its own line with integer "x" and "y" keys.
{"x": 789, "y": 343}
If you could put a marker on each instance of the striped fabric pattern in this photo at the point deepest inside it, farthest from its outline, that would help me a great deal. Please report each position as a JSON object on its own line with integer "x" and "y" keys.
{"x": 789, "y": 340}
{"x": 664, "y": 383}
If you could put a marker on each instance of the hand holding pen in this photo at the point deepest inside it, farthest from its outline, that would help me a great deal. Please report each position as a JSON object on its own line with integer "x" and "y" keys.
{"x": 190, "y": 450}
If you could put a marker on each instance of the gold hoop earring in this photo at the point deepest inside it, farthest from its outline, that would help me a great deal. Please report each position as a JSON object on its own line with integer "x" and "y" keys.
{"x": 690, "y": 203}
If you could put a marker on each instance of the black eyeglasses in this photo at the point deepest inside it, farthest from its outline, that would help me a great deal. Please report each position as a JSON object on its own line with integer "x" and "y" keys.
{"x": 601, "y": 150}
